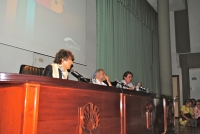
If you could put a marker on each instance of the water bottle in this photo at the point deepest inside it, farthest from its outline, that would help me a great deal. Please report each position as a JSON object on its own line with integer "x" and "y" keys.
{"x": 147, "y": 90}
{"x": 137, "y": 88}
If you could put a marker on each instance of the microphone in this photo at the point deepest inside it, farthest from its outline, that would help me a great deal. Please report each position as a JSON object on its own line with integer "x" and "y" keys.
{"x": 78, "y": 76}
{"x": 122, "y": 84}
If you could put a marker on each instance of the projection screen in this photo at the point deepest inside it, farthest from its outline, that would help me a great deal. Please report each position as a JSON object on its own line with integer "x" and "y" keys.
{"x": 44, "y": 26}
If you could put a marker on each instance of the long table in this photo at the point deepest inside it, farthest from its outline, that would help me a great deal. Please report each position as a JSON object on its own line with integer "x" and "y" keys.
{"x": 36, "y": 104}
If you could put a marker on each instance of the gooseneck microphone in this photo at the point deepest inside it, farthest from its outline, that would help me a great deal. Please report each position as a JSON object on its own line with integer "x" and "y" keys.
{"x": 78, "y": 76}
{"x": 122, "y": 84}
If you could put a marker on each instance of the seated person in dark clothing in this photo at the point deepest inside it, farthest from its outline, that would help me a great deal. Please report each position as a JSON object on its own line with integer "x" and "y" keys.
{"x": 62, "y": 62}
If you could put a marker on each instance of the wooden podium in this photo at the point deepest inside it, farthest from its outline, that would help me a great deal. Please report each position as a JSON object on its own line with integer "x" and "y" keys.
{"x": 36, "y": 104}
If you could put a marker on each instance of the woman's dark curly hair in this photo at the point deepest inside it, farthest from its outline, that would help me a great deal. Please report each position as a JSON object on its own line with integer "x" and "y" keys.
{"x": 63, "y": 54}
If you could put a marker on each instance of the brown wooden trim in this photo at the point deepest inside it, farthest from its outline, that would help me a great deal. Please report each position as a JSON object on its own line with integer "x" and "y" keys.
{"x": 174, "y": 112}
{"x": 79, "y": 120}
{"x": 124, "y": 111}
{"x": 121, "y": 114}
{"x": 165, "y": 115}
{"x": 178, "y": 88}
{"x": 31, "y": 104}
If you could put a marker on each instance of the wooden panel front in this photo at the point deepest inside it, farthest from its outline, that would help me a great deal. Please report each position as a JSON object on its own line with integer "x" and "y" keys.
{"x": 159, "y": 116}
{"x": 11, "y": 108}
{"x": 31, "y": 102}
{"x": 121, "y": 111}
{"x": 18, "y": 108}
{"x": 136, "y": 114}
{"x": 58, "y": 109}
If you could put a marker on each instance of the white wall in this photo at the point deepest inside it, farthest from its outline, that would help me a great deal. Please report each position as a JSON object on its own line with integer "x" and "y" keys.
{"x": 194, "y": 83}
{"x": 194, "y": 24}
{"x": 11, "y": 58}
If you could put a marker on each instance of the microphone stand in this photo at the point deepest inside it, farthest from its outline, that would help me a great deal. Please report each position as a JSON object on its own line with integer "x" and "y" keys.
{"x": 78, "y": 76}
{"x": 122, "y": 84}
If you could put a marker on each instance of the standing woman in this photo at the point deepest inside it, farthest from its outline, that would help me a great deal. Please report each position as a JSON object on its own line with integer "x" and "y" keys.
{"x": 197, "y": 112}
{"x": 62, "y": 62}
{"x": 187, "y": 115}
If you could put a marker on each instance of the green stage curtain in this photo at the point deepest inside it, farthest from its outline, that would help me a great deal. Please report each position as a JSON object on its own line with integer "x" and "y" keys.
{"x": 127, "y": 40}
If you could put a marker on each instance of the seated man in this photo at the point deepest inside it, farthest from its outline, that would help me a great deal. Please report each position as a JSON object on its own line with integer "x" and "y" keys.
{"x": 100, "y": 76}
{"x": 126, "y": 83}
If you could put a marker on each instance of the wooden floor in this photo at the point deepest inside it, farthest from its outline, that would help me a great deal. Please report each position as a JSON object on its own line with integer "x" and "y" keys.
{"x": 178, "y": 129}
